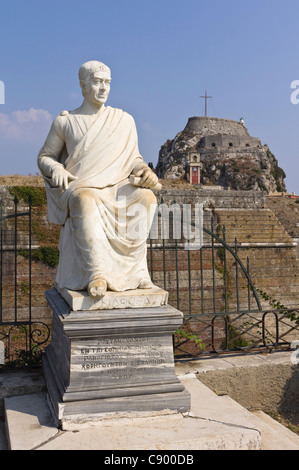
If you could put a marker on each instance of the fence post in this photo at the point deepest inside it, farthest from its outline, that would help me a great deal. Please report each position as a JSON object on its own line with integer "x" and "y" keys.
{"x": 16, "y": 256}
{"x": 1, "y": 261}
{"x": 30, "y": 267}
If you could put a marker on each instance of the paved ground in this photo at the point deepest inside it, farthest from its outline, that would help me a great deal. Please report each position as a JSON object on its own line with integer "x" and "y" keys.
{"x": 214, "y": 422}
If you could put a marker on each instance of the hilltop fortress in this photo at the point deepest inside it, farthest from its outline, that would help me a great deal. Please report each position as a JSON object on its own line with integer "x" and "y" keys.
{"x": 220, "y": 152}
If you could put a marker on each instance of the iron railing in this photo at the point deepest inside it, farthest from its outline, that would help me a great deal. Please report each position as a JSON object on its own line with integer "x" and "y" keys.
{"x": 222, "y": 310}
{"x": 18, "y": 330}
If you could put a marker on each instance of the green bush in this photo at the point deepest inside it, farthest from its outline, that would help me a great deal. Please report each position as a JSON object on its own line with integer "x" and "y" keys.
{"x": 38, "y": 195}
{"x": 45, "y": 254}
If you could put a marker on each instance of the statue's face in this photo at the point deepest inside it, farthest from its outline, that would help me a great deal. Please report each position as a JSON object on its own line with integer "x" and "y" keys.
{"x": 96, "y": 88}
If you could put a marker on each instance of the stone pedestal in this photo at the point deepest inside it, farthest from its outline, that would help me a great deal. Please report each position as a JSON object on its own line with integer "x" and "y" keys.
{"x": 137, "y": 298}
{"x": 112, "y": 361}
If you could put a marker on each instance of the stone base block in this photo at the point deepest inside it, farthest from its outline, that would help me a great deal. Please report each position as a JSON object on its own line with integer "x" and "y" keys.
{"x": 122, "y": 406}
{"x": 108, "y": 362}
{"x": 138, "y": 298}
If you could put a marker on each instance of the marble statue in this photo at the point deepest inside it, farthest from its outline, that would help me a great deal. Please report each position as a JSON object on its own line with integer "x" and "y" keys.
{"x": 88, "y": 162}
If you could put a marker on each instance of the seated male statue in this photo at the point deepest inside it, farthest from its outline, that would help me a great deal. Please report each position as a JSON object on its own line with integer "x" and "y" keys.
{"x": 86, "y": 162}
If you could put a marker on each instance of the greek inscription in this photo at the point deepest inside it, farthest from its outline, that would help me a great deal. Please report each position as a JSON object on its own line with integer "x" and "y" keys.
{"x": 96, "y": 365}
{"x": 124, "y": 302}
{"x": 122, "y": 358}
{"x": 123, "y": 340}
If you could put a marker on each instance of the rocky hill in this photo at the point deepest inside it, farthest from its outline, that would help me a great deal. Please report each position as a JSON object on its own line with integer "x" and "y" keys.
{"x": 229, "y": 156}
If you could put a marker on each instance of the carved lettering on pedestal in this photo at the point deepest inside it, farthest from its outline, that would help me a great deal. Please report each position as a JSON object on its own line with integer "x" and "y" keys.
{"x": 124, "y": 302}
{"x": 123, "y": 358}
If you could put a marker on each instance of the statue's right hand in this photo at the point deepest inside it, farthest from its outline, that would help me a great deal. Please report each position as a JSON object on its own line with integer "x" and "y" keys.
{"x": 61, "y": 177}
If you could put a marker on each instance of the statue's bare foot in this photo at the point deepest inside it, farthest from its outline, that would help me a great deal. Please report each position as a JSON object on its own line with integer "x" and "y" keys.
{"x": 145, "y": 284}
{"x": 97, "y": 288}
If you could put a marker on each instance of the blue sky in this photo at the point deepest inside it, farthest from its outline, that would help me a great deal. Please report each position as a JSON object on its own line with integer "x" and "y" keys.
{"x": 163, "y": 54}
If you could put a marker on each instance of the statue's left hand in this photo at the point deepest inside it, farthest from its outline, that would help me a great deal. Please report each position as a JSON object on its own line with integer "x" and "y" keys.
{"x": 148, "y": 178}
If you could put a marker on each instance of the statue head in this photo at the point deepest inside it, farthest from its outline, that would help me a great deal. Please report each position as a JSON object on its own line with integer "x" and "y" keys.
{"x": 95, "y": 78}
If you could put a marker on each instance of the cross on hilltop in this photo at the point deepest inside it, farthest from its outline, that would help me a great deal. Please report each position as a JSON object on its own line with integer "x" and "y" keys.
{"x": 206, "y": 97}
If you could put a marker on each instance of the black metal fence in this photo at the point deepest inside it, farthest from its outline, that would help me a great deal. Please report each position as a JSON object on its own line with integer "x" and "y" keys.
{"x": 210, "y": 284}
{"x": 20, "y": 333}
{"x": 223, "y": 310}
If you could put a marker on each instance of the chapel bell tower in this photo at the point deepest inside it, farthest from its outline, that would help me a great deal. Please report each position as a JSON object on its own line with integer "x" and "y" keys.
{"x": 194, "y": 165}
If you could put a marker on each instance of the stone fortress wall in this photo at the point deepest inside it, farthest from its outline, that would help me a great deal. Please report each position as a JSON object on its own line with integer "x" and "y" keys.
{"x": 261, "y": 237}
{"x": 213, "y": 126}
{"x": 221, "y": 135}
{"x": 229, "y": 142}
{"x": 217, "y": 132}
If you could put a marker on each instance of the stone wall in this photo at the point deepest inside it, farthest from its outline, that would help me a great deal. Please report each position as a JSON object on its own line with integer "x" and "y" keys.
{"x": 203, "y": 126}
{"x": 269, "y": 384}
{"x": 229, "y": 141}
{"x": 214, "y": 198}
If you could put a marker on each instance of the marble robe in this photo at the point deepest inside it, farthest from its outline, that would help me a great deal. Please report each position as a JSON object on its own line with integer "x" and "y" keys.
{"x": 102, "y": 234}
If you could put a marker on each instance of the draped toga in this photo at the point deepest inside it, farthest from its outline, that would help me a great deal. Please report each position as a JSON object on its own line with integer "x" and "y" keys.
{"x": 104, "y": 234}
